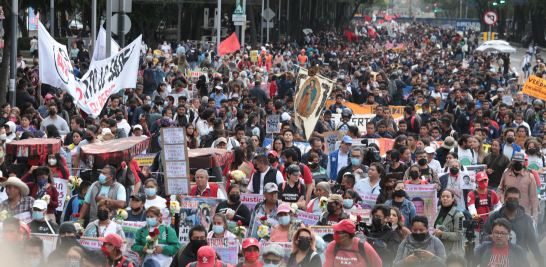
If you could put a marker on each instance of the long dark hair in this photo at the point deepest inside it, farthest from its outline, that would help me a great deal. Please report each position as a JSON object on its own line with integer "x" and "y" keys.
{"x": 238, "y": 157}
{"x": 60, "y": 164}
{"x": 273, "y": 144}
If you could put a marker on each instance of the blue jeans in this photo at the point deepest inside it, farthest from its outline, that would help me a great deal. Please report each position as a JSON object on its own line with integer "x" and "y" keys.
{"x": 192, "y": 65}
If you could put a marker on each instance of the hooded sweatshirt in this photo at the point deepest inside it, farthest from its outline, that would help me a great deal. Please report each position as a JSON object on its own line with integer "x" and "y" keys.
{"x": 523, "y": 230}
{"x": 388, "y": 246}
{"x": 431, "y": 244}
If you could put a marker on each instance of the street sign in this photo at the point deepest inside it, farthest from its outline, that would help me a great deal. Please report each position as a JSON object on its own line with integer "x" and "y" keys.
{"x": 2, "y": 13}
{"x": 270, "y": 24}
{"x": 490, "y": 18}
{"x": 268, "y": 14}
{"x": 239, "y": 23}
{"x": 239, "y": 10}
{"x": 128, "y": 6}
{"x": 236, "y": 17}
{"x": 127, "y": 24}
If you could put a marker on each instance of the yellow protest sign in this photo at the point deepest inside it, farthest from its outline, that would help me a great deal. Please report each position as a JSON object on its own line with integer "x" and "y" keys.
{"x": 254, "y": 56}
{"x": 535, "y": 86}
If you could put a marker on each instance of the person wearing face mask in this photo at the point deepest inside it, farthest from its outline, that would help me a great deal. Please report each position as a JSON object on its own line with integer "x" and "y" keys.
{"x": 33, "y": 252}
{"x": 207, "y": 257}
{"x": 430, "y": 249}
{"x": 335, "y": 211}
{"x": 56, "y": 163}
{"x": 288, "y": 225}
{"x": 68, "y": 237}
{"x": 40, "y": 224}
{"x": 523, "y": 227}
{"x": 402, "y": 202}
{"x": 522, "y": 178}
{"x": 483, "y": 200}
{"x": 348, "y": 246}
{"x": 385, "y": 240}
{"x": 54, "y": 119}
{"x": 167, "y": 243}
{"x": 90, "y": 138}
{"x": 106, "y": 188}
{"x": 111, "y": 248}
{"x": 43, "y": 185}
{"x": 233, "y": 208}
{"x": 189, "y": 253}
{"x": 152, "y": 199}
{"x": 220, "y": 227}
{"x": 103, "y": 226}
{"x": 303, "y": 251}
{"x": 446, "y": 225}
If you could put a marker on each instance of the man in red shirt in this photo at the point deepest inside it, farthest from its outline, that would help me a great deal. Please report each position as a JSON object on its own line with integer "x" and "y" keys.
{"x": 500, "y": 252}
{"x": 347, "y": 250}
{"x": 488, "y": 199}
{"x": 111, "y": 247}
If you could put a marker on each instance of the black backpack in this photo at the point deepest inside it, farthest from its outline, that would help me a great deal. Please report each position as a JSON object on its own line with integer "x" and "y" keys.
{"x": 192, "y": 56}
{"x": 148, "y": 78}
{"x": 361, "y": 250}
{"x": 477, "y": 201}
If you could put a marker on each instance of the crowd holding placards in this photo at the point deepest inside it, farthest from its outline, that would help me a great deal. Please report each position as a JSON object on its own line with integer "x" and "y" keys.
{"x": 426, "y": 153}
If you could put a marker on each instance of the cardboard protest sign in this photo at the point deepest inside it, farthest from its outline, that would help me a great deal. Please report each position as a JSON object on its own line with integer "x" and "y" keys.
{"x": 272, "y": 124}
{"x": 365, "y": 214}
{"x": 307, "y": 218}
{"x": 535, "y": 86}
{"x": 425, "y": 200}
{"x": 24, "y": 217}
{"x": 227, "y": 248}
{"x": 331, "y": 138}
{"x": 175, "y": 160}
{"x": 368, "y": 199}
{"x": 62, "y": 187}
{"x": 95, "y": 244}
{"x": 195, "y": 211}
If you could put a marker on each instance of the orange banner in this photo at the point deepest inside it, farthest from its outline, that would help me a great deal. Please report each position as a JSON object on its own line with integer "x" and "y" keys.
{"x": 369, "y": 109}
{"x": 535, "y": 86}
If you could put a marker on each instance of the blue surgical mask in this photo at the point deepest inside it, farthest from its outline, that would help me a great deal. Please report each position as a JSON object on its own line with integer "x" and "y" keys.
{"x": 149, "y": 102}
{"x": 102, "y": 178}
{"x": 362, "y": 69}
{"x": 355, "y": 162}
{"x": 218, "y": 229}
{"x": 150, "y": 192}
{"x": 151, "y": 221}
{"x": 403, "y": 60}
{"x": 377, "y": 59}
{"x": 348, "y": 203}
{"x": 342, "y": 76}
{"x": 166, "y": 103}
{"x": 36, "y": 262}
{"x": 38, "y": 215}
{"x": 284, "y": 220}
{"x": 425, "y": 78}
{"x": 399, "y": 72}
{"x": 270, "y": 265}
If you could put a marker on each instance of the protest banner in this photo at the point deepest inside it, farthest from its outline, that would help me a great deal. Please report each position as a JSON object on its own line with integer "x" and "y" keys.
{"x": 49, "y": 241}
{"x": 24, "y": 217}
{"x": 425, "y": 200}
{"x": 62, "y": 187}
{"x": 145, "y": 159}
{"x": 287, "y": 246}
{"x": 253, "y": 55}
{"x": 228, "y": 249}
{"x": 99, "y": 51}
{"x": 159, "y": 260}
{"x": 175, "y": 160}
{"x": 365, "y": 215}
{"x": 543, "y": 186}
{"x": 95, "y": 244}
{"x": 368, "y": 109}
{"x": 307, "y": 218}
{"x": 360, "y": 120}
{"x": 468, "y": 180}
{"x": 368, "y": 199}
{"x": 327, "y": 234}
{"x": 195, "y": 211}
{"x": 331, "y": 138}
{"x": 535, "y": 86}
{"x": 273, "y": 124}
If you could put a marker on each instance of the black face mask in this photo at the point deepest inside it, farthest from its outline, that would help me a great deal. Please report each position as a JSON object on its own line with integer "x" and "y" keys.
{"x": 272, "y": 160}
{"x": 376, "y": 223}
{"x": 89, "y": 138}
{"x": 537, "y": 110}
{"x": 399, "y": 193}
{"x": 52, "y": 112}
{"x": 518, "y": 166}
{"x": 102, "y": 215}
{"x": 454, "y": 171}
{"x": 532, "y": 151}
{"x": 137, "y": 209}
{"x": 414, "y": 175}
{"x": 330, "y": 208}
{"x": 313, "y": 165}
{"x": 510, "y": 140}
{"x": 304, "y": 245}
{"x": 197, "y": 244}
{"x": 67, "y": 241}
{"x": 422, "y": 162}
{"x": 419, "y": 237}
{"x": 512, "y": 205}
{"x": 234, "y": 197}
{"x": 119, "y": 118}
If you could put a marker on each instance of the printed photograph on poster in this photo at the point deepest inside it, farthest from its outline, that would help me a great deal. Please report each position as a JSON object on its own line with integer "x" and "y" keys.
{"x": 425, "y": 200}
{"x": 468, "y": 180}
{"x": 261, "y": 150}
{"x": 273, "y": 124}
{"x": 195, "y": 211}
{"x": 331, "y": 138}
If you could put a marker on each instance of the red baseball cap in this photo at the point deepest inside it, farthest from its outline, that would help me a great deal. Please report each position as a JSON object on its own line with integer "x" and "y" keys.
{"x": 113, "y": 239}
{"x": 345, "y": 225}
{"x": 480, "y": 176}
{"x": 48, "y": 96}
{"x": 206, "y": 257}
{"x": 250, "y": 242}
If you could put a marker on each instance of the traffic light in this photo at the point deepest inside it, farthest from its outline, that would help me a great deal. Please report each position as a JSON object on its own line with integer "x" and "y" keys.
{"x": 435, "y": 5}
{"x": 495, "y": 3}
{"x": 427, "y": 7}
{"x": 502, "y": 1}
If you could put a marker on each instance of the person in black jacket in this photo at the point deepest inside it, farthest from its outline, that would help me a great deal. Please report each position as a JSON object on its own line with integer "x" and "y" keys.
{"x": 303, "y": 247}
{"x": 213, "y": 135}
{"x": 383, "y": 238}
{"x": 399, "y": 95}
{"x": 188, "y": 253}
{"x": 24, "y": 97}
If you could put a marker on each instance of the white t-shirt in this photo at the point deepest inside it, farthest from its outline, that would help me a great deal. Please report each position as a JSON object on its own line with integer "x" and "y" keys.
{"x": 535, "y": 163}
{"x": 465, "y": 156}
{"x": 435, "y": 165}
{"x": 508, "y": 151}
{"x": 279, "y": 177}
{"x": 157, "y": 202}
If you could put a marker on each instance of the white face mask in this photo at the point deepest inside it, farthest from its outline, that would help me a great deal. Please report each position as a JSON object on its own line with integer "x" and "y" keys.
{"x": 52, "y": 162}
{"x": 3, "y": 136}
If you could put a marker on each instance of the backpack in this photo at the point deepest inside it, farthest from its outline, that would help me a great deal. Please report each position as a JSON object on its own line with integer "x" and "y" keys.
{"x": 477, "y": 201}
{"x": 466, "y": 213}
{"x": 361, "y": 250}
{"x": 392, "y": 88}
{"x": 194, "y": 264}
{"x": 537, "y": 49}
{"x": 456, "y": 150}
{"x": 148, "y": 78}
{"x": 192, "y": 56}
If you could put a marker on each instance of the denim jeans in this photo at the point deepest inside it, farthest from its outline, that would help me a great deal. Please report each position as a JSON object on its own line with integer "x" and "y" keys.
{"x": 192, "y": 65}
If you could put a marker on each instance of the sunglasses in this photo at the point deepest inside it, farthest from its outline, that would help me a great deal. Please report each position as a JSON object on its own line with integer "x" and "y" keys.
{"x": 303, "y": 238}
{"x": 270, "y": 261}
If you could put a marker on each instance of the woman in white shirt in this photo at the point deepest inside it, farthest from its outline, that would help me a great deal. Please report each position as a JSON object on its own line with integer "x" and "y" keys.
{"x": 152, "y": 199}
{"x": 103, "y": 226}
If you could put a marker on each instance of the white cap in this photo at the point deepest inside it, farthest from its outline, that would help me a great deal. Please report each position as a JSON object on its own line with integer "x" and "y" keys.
{"x": 106, "y": 130}
{"x": 286, "y": 117}
{"x": 430, "y": 150}
{"x": 137, "y": 127}
{"x": 221, "y": 139}
{"x": 40, "y": 204}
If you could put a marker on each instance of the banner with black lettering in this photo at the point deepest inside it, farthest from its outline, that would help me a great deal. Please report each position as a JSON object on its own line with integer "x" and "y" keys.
{"x": 99, "y": 52}
{"x": 107, "y": 76}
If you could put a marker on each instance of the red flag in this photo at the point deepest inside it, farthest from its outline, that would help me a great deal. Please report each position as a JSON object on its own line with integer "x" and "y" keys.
{"x": 372, "y": 32}
{"x": 380, "y": 21}
{"x": 388, "y": 17}
{"x": 393, "y": 16}
{"x": 229, "y": 45}
{"x": 350, "y": 35}
{"x": 367, "y": 18}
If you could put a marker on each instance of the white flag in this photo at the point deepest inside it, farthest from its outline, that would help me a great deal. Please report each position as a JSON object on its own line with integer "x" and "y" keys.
{"x": 99, "y": 50}
{"x": 55, "y": 67}
{"x": 108, "y": 76}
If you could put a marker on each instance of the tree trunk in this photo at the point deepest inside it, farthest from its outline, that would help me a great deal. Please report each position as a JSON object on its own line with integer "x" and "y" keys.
{"x": 501, "y": 23}
{"x": 252, "y": 26}
{"x": 22, "y": 25}
{"x": 5, "y": 66}
{"x": 537, "y": 20}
